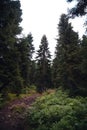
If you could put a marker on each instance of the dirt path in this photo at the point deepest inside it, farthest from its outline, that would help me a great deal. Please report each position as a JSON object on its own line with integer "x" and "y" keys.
{"x": 10, "y": 118}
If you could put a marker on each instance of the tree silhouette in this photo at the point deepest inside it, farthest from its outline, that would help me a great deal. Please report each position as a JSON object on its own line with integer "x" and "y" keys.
{"x": 43, "y": 65}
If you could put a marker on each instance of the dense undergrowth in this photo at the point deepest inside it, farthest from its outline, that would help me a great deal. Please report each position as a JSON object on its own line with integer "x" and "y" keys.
{"x": 53, "y": 110}
{"x": 58, "y": 111}
{"x": 10, "y": 96}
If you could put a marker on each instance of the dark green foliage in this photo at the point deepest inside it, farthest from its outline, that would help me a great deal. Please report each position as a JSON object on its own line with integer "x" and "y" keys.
{"x": 80, "y": 8}
{"x": 84, "y": 54}
{"x": 58, "y": 112}
{"x": 10, "y": 17}
{"x": 26, "y": 50}
{"x": 17, "y": 67}
{"x": 65, "y": 64}
{"x": 83, "y": 65}
{"x": 43, "y": 66}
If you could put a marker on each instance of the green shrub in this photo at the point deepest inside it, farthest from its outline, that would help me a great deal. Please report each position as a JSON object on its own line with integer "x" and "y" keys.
{"x": 57, "y": 111}
{"x": 29, "y": 90}
{"x": 11, "y": 96}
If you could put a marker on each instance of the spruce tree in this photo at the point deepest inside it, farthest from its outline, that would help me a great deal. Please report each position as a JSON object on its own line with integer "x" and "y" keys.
{"x": 83, "y": 65}
{"x": 10, "y": 17}
{"x": 26, "y": 50}
{"x": 84, "y": 54}
{"x": 65, "y": 64}
{"x": 43, "y": 66}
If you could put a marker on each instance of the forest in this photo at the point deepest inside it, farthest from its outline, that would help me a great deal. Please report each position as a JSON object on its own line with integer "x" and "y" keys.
{"x": 41, "y": 93}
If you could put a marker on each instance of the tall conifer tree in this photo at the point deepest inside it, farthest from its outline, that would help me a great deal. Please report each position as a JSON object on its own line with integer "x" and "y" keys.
{"x": 65, "y": 66}
{"x": 10, "y": 17}
{"x": 43, "y": 65}
{"x": 83, "y": 65}
{"x": 26, "y": 50}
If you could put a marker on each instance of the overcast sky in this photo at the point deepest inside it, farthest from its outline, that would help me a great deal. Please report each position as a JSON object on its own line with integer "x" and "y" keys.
{"x": 42, "y": 17}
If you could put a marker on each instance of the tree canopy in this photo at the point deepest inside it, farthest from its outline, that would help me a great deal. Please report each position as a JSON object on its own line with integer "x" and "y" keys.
{"x": 80, "y": 8}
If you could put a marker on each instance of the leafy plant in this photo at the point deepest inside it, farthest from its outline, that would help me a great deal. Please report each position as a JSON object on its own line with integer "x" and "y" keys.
{"x": 57, "y": 111}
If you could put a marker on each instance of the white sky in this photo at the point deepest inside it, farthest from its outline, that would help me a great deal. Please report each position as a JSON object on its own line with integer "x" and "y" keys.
{"x": 42, "y": 17}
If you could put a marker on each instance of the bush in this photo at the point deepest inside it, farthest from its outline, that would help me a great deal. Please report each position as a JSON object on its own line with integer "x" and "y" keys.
{"x": 57, "y": 111}
{"x": 29, "y": 90}
{"x": 11, "y": 96}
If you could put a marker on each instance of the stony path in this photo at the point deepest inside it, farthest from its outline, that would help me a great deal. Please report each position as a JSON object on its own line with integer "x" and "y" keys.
{"x": 10, "y": 120}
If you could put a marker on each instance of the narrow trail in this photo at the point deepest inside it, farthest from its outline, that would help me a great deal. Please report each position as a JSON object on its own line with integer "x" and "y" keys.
{"x": 10, "y": 120}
